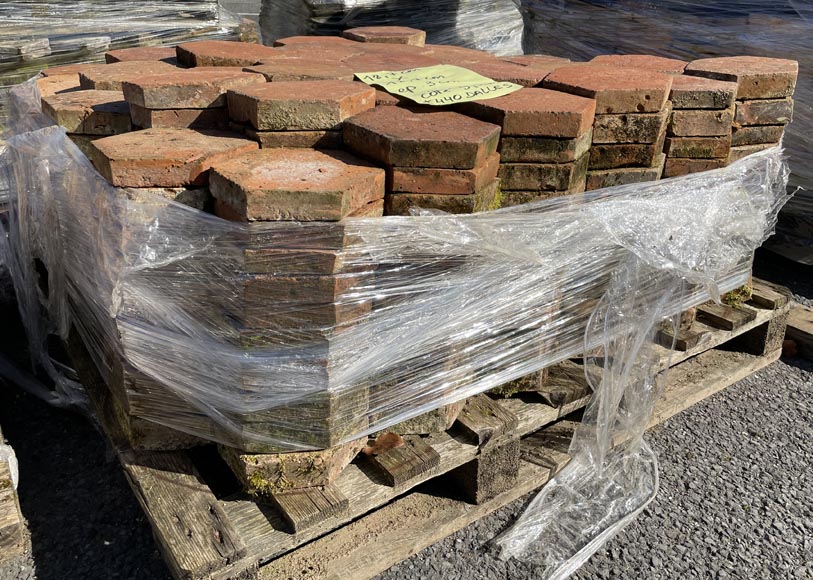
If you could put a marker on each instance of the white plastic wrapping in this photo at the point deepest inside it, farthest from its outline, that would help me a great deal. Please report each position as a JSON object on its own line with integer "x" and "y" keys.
{"x": 37, "y": 34}
{"x": 447, "y": 306}
{"x": 492, "y": 25}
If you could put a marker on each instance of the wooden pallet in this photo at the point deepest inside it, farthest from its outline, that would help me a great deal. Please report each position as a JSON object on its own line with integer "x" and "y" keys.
{"x": 13, "y": 535}
{"x": 206, "y": 528}
{"x": 800, "y": 329}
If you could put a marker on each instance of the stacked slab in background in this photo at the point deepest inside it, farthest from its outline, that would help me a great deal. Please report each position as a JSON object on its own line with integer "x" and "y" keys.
{"x": 764, "y": 103}
{"x": 434, "y": 159}
{"x": 544, "y": 142}
{"x": 632, "y": 109}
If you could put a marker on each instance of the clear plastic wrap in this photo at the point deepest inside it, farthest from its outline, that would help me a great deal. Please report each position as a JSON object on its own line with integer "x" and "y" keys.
{"x": 443, "y": 307}
{"x": 687, "y": 29}
{"x": 37, "y": 34}
{"x": 492, "y": 25}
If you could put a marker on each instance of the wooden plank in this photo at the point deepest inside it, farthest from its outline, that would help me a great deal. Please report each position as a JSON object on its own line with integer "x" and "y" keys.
{"x": 549, "y": 447}
{"x": 304, "y": 508}
{"x": 189, "y": 524}
{"x": 685, "y": 339}
{"x": 484, "y": 419}
{"x": 266, "y": 532}
{"x": 767, "y": 295}
{"x": 800, "y": 329}
{"x": 402, "y": 464}
{"x": 724, "y": 317}
{"x": 716, "y": 337}
{"x": 704, "y": 375}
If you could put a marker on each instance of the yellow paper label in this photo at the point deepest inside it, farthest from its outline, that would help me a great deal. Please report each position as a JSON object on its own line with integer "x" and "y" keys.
{"x": 438, "y": 85}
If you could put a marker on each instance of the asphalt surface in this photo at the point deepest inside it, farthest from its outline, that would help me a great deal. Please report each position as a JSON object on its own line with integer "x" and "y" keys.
{"x": 735, "y": 498}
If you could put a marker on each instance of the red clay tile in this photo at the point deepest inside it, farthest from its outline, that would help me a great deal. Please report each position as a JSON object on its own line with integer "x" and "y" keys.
{"x": 89, "y": 112}
{"x": 300, "y": 106}
{"x": 443, "y": 181}
{"x": 644, "y": 61}
{"x": 402, "y": 137}
{"x": 139, "y": 53}
{"x": 386, "y": 35}
{"x": 484, "y": 199}
{"x": 616, "y": 90}
{"x": 109, "y": 77}
{"x": 536, "y": 60}
{"x": 296, "y": 139}
{"x": 757, "y": 77}
{"x": 536, "y": 112}
{"x": 698, "y": 147}
{"x": 301, "y": 69}
{"x": 676, "y": 166}
{"x": 164, "y": 157}
{"x": 58, "y": 84}
{"x": 512, "y": 73}
{"x": 373, "y": 62}
{"x": 690, "y": 92}
{"x": 701, "y": 123}
{"x": 296, "y": 184}
{"x": 543, "y": 176}
{"x": 764, "y": 112}
{"x": 221, "y": 53}
{"x": 213, "y": 118}
{"x": 187, "y": 89}
{"x": 313, "y": 40}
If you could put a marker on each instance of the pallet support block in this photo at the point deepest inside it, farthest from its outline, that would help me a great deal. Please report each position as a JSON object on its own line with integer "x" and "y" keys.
{"x": 493, "y": 472}
{"x": 401, "y": 464}
{"x": 304, "y": 508}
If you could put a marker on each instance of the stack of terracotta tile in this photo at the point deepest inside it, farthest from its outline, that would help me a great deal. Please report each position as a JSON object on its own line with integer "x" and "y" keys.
{"x": 157, "y": 129}
{"x": 299, "y": 113}
{"x": 699, "y": 131}
{"x": 88, "y": 115}
{"x": 632, "y": 110}
{"x": 193, "y": 98}
{"x": 544, "y": 143}
{"x": 294, "y": 294}
{"x": 764, "y": 103}
{"x": 434, "y": 159}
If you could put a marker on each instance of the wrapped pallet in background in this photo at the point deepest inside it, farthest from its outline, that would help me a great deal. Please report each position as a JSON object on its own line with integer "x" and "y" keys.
{"x": 492, "y": 25}
{"x": 688, "y": 30}
{"x": 36, "y": 35}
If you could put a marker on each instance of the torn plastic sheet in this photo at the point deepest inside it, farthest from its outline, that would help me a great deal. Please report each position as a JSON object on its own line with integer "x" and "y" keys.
{"x": 445, "y": 307}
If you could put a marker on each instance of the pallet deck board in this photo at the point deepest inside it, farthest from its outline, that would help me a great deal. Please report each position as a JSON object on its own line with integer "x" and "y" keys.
{"x": 186, "y": 516}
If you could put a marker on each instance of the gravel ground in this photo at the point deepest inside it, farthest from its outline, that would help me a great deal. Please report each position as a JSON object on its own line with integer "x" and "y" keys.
{"x": 735, "y": 499}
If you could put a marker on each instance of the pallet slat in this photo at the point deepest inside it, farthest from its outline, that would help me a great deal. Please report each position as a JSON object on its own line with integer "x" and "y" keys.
{"x": 186, "y": 517}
